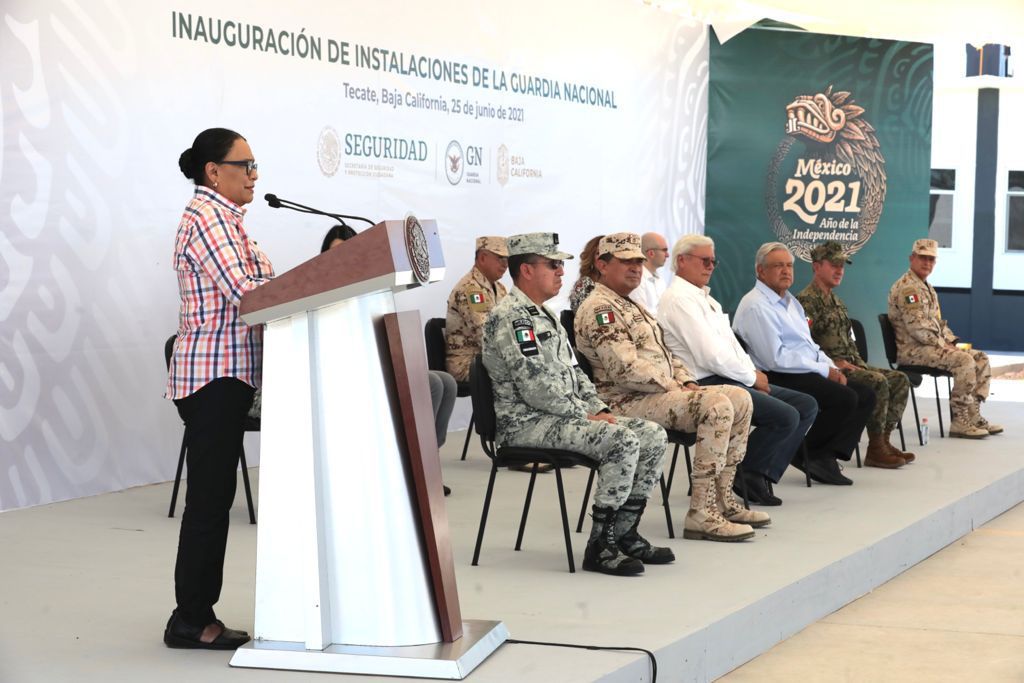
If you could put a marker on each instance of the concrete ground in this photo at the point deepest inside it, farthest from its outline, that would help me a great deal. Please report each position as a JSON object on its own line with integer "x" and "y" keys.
{"x": 957, "y": 616}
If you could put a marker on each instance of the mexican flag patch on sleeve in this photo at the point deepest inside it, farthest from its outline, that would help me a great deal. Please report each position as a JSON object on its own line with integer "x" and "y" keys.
{"x": 912, "y": 299}
{"x": 476, "y": 297}
{"x": 605, "y": 318}
{"x": 523, "y": 336}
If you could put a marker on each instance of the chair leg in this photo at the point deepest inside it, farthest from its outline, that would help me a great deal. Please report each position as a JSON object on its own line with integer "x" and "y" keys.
{"x": 938, "y": 406}
{"x": 743, "y": 488}
{"x": 917, "y": 419}
{"x": 248, "y": 489}
{"x": 177, "y": 476}
{"x": 949, "y": 393}
{"x": 565, "y": 520}
{"x": 672, "y": 469}
{"x": 483, "y": 515}
{"x": 526, "y": 507}
{"x": 668, "y": 511}
{"x": 586, "y": 499}
{"x": 469, "y": 430}
{"x": 803, "y": 453}
{"x": 903, "y": 440}
{"x": 689, "y": 471}
{"x": 856, "y": 451}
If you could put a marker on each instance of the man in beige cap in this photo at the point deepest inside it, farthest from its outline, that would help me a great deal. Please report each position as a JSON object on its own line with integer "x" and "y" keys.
{"x": 832, "y": 330}
{"x": 924, "y": 338}
{"x": 471, "y": 301}
{"x": 637, "y": 375}
{"x": 543, "y": 399}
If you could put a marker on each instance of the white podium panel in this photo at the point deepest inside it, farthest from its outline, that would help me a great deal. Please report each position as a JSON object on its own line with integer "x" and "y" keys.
{"x": 339, "y": 553}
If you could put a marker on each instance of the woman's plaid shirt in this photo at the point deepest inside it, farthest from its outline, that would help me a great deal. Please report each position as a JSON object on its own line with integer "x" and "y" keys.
{"x": 216, "y": 263}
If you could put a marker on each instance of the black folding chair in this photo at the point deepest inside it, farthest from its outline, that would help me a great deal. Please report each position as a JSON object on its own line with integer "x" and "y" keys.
{"x": 568, "y": 320}
{"x": 482, "y": 394}
{"x": 861, "y": 340}
{"x": 437, "y": 350}
{"x": 251, "y": 425}
{"x": 915, "y": 374}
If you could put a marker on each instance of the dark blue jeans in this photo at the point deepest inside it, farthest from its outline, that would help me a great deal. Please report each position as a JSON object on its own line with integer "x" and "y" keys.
{"x": 781, "y": 419}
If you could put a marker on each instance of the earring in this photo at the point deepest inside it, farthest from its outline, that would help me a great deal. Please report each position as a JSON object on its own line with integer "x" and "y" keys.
{"x": 215, "y": 183}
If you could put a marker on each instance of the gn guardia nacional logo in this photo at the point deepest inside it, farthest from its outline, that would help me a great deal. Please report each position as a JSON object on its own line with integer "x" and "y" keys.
{"x": 829, "y": 173}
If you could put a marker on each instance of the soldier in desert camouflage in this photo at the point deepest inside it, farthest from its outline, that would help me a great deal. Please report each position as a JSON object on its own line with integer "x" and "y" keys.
{"x": 924, "y": 338}
{"x": 543, "y": 399}
{"x": 637, "y": 375}
{"x": 832, "y": 331}
{"x": 471, "y": 301}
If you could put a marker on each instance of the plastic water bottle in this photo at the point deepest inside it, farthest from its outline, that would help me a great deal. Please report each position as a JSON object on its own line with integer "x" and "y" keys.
{"x": 924, "y": 430}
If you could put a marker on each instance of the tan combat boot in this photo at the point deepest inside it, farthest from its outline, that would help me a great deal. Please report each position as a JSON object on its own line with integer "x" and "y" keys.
{"x": 879, "y": 455}
{"x": 705, "y": 522}
{"x": 963, "y": 424}
{"x": 982, "y": 423}
{"x": 731, "y": 508}
{"x": 907, "y": 456}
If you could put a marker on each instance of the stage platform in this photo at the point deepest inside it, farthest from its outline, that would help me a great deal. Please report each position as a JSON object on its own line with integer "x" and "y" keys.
{"x": 86, "y": 585}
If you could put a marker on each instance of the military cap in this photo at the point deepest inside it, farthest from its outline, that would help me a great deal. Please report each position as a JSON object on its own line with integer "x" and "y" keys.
{"x": 541, "y": 243}
{"x": 624, "y": 245}
{"x": 829, "y": 251}
{"x": 925, "y": 247}
{"x": 495, "y": 245}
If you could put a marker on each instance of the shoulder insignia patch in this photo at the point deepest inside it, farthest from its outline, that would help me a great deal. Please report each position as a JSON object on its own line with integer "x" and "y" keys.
{"x": 912, "y": 299}
{"x": 532, "y": 310}
{"x": 605, "y": 317}
{"x": 525, "y": 337}
{"x": 475, "y": 297}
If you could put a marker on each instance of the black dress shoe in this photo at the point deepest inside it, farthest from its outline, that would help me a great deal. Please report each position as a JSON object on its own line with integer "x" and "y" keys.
{"x": 826, "y": 470}
{"x": 178, "y": 634}
{"x": 758, "y": 490}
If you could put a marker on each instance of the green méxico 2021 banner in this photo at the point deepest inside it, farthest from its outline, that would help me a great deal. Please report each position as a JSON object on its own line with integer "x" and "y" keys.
{"x": 814, "y": 138}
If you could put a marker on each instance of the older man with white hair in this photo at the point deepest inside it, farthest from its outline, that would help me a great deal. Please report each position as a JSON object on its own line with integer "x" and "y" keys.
{"x": 697, "y": 332}
{"x": 773, "y": 324}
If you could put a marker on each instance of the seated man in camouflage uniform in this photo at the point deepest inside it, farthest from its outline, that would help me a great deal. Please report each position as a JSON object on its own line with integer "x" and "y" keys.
{"x": 543, "y": 399}
{"x": 469, "y": 303}
{"x": 924, "y": 338}
{"x": 637, "y": 375}
{"x": 832, "y": 331}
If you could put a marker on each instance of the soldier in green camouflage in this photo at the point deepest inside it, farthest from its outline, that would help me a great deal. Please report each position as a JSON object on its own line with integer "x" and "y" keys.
{"x": 543, "y": 399}
{"x": 924, "y": 338}
{"x": 637, "y": 375}
{"x": 831, "y": 330}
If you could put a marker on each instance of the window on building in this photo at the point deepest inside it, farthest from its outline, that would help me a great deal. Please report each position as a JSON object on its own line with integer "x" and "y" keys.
{"x": 940, "y": 214}
{"x": 1015, "y": 212}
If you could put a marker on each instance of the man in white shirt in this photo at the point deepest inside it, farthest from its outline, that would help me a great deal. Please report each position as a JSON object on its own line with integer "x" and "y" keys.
{"x": 651, "y": 287}
{"x": 774, "y": 326}
{"x": 698, "y": 333}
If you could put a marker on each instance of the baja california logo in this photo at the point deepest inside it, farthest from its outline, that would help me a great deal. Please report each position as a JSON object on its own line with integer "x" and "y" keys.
{"x": 837, "y": 188}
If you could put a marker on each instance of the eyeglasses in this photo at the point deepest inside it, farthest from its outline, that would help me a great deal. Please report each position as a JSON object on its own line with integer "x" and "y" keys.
{"x": 708, "y": 261}
{"x": 249, "y": 165}
{"x": 553, "y": 265}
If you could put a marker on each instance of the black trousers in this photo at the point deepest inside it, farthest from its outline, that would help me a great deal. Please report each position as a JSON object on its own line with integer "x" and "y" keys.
{"x": 214, "y": 426}
{"x": 842, "y": 412}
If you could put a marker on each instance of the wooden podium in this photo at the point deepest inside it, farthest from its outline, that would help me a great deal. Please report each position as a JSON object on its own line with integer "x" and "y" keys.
{"x": 354, "y": 570}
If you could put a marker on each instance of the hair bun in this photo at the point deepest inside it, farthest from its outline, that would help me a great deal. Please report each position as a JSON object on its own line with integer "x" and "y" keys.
{"x": 185, "y": 164}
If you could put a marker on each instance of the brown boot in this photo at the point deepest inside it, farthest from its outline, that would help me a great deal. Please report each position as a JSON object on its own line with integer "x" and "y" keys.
{"x": 907, "y": 456}
{"x": 879, "y": 456}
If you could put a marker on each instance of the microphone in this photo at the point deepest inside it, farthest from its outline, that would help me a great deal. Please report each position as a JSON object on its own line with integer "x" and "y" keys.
{"x": 276, "y": 202}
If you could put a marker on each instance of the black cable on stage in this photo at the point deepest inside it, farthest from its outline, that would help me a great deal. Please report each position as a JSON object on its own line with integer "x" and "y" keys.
{"x": 650, "y": 655}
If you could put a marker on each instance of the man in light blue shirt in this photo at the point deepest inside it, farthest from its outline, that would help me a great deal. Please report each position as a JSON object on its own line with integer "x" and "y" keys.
{"x": 773, "y": 325}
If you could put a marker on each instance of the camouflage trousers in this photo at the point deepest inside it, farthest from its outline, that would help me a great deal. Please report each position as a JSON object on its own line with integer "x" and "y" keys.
{"x": 892, "y": 389}
{"x": 629, "y": 452}
{"x": 971, "y": 374}
{"x": 457, "y": 366}
{"x": 720, "y": 415}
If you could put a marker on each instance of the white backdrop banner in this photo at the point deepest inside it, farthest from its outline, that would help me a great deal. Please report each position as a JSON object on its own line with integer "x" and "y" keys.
{"x": 579, "y": 117}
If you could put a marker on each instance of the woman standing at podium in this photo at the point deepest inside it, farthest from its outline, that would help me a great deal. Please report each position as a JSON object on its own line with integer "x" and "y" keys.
{"x": 214, "y": 371}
